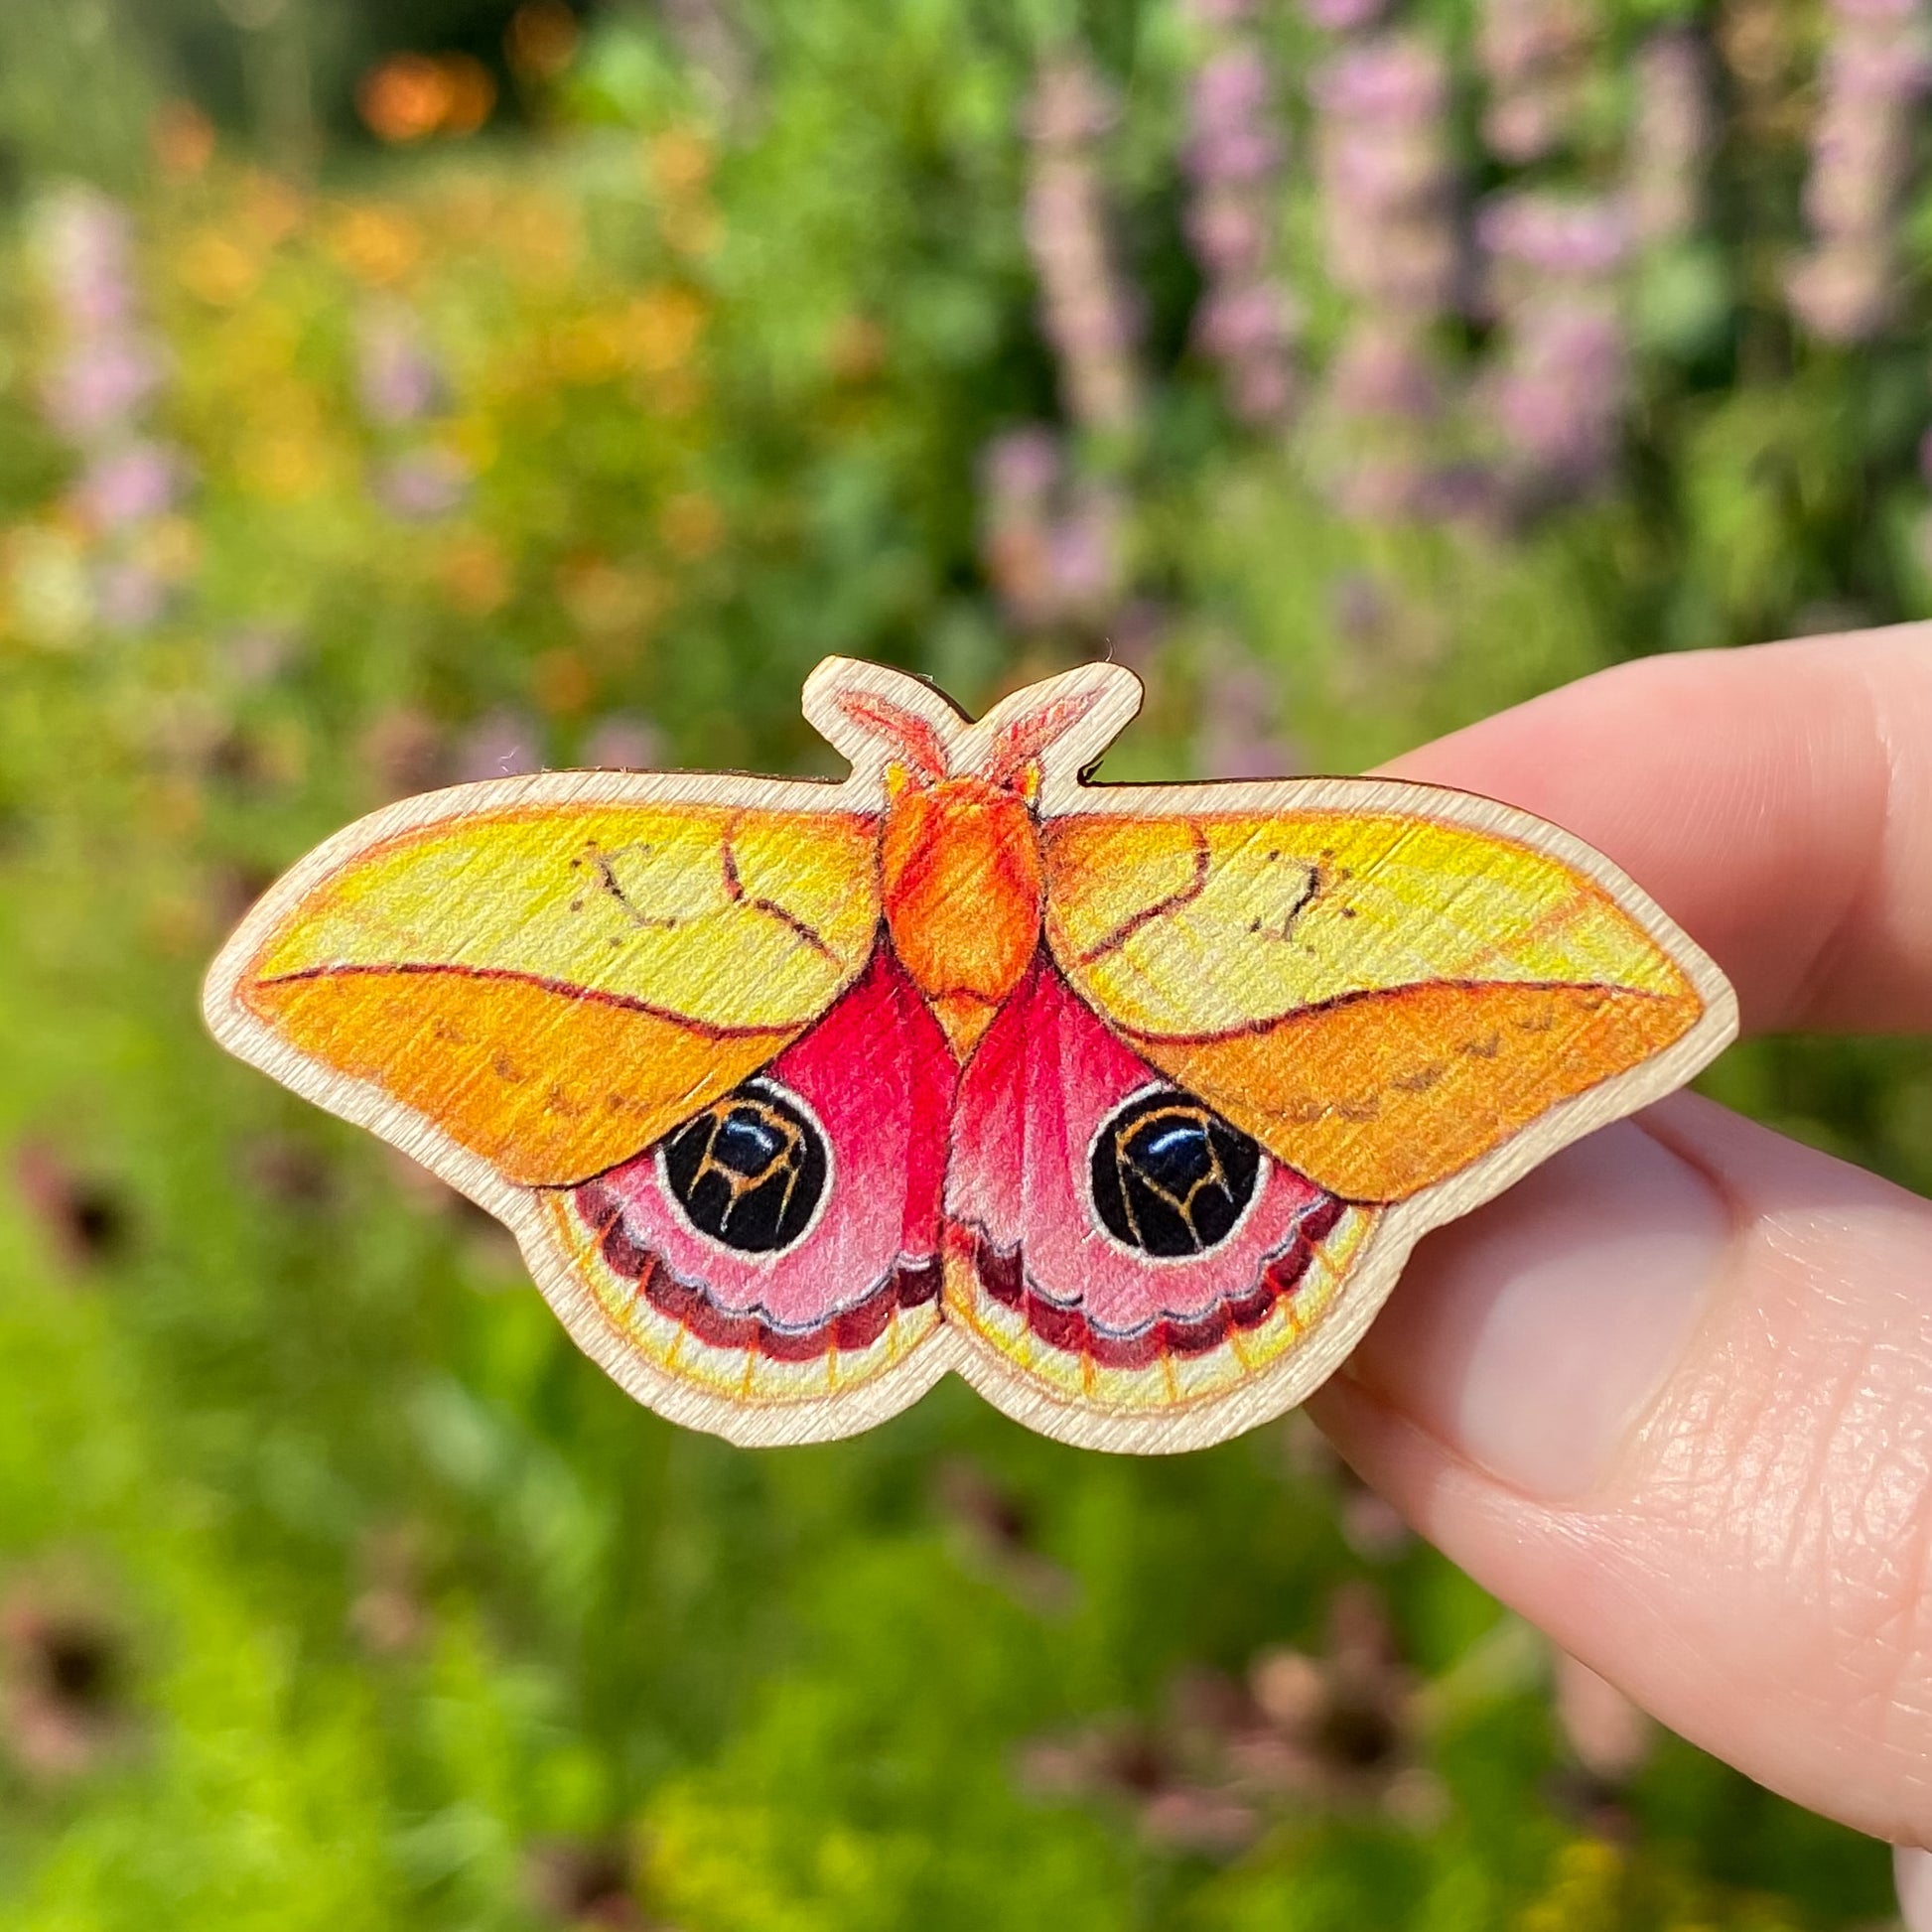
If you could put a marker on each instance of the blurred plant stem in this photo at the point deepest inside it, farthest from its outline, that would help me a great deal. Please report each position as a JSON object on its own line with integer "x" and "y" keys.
{"x": 278, "y": 77}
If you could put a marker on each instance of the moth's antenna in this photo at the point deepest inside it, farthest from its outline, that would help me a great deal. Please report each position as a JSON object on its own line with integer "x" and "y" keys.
{"x": 1023, "y": 740}
{"x": 920, "y": 745}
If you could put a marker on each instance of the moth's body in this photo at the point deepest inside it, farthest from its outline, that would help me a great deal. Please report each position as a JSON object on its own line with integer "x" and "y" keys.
{"x": 963, "y": 891}
{"x": 1124, "y": 1103}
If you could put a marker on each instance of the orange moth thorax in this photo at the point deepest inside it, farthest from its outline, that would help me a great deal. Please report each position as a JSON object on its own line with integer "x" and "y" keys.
{"x": 961, "y": 879}
{"x": 961, "y": 883}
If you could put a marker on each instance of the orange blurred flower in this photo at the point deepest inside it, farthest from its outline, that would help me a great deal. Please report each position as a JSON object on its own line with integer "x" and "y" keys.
{"x": 542, "y": 38}
{"x": 182, "y": 138}
{"x": 693, "y": 525}
{"x": 680, "y": 160}
{"x": 475, "y": 575}
{"x": 272, "y": 207}
{"x": 855, "y": 351}
{"x": 404, "y": 97}
{"x": 561, "y": 682}
{"x": 410, "y": 96}
{"x": 605, "y": 600}
{"x": 471, "y": 94}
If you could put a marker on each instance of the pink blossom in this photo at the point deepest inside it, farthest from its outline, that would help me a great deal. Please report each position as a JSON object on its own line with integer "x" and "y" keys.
{"x": 422, "y": 486}
{"x": 621, "y": 743}
{"x": 1341, "y": 16}
{"x": 1875, "y": 69}
{"x": 131, "y": 485}
{"x": 1391, "y": 79}
{"x": 1672, "y": 139}
{"x": 1555, "y": 235}
{"x": 1087, "y": 312}
{"x": 129, "y": 596}
{"x": 502, "y": 743}
{"x": 101, "y": 383}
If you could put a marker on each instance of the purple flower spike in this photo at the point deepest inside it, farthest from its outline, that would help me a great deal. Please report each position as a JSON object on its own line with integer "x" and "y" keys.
{"x": 1022, "y": 466}
{"x": 1875, "y": 72}
{"x": 397, "y": 381}
{"x": 1245, "y": 322}
{"x": 1390, "y": 79}
{"x": 1232, "y": 86}
{"x": 423, "y": 485}
{"x": 1675, "y": 131}
{"x": 1341, "y": 16}
{"x": 1086, "y": 313}
{"x": 1575, "y": 238}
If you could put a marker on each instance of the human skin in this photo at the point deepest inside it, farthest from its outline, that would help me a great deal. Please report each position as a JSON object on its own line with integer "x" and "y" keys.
{"x": 1671, "y": 1396}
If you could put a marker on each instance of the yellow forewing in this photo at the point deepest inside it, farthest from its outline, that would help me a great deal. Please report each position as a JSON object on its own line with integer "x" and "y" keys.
{"x": 1380, "y": 999}
{"x": 558, "y": 987}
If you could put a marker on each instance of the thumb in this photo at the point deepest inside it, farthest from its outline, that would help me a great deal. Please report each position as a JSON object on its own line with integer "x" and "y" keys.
{"x": 1671, "y": 1398}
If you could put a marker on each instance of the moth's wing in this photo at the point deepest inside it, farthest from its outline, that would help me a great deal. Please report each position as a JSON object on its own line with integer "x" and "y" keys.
{"x": 1092, "y": 1322}
{"x": 553, "y": 985}
{"x": 1381, "y": 997}
{"x": 809, "y": 1267}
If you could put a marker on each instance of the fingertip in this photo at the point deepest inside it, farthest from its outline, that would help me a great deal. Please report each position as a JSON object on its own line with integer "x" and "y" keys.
{"x": 1529, "y": 1336}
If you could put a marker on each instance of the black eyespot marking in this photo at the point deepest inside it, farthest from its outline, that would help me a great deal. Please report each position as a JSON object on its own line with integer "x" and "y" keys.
{"x": 1170, "y": 1177}
{"x": 751, "y": 1169}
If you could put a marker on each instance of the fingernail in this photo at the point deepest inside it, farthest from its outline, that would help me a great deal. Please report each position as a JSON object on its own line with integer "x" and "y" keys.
{"x": 1911, "y": 1873}
{"x": 1533, "y": 1335}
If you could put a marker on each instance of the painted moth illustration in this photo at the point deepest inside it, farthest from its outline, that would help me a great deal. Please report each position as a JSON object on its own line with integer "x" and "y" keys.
{"x": 1126, "y": 1103}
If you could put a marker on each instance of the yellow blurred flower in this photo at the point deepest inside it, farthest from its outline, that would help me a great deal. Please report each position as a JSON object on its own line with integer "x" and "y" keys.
{"x": 539, "y": 238}
{"x": 606, "y": 599}
{"x": 216, "y": 267}
{"x": 283, "y": 466}
{"x": 693, "y": 526}
{"x": 474, "y": 438}
{"x": 46, "y": 585}
{"x": 171, "y": 547}
{"x": 663, "y": 326}
{"x": 587, "y": 349}
{"x": 376, "y": 245}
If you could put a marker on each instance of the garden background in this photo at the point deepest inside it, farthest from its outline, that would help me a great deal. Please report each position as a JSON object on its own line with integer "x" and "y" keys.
{"x": 398, "y": 394}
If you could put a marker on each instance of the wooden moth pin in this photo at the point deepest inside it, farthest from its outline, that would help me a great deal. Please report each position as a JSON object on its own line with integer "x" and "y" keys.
{"x": 1125, "y": 1102}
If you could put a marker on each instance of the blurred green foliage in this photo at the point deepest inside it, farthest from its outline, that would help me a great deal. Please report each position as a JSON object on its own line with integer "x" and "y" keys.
{"x": 336, "y": 1588}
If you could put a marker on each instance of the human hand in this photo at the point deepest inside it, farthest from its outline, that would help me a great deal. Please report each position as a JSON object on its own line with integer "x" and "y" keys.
{"x": 1671, "y": 1396}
